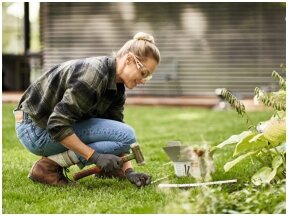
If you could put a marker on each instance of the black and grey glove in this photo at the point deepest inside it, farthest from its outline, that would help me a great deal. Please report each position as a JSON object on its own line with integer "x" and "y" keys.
{"x": 139, "y": 179}
{"x": 107, "y": 162}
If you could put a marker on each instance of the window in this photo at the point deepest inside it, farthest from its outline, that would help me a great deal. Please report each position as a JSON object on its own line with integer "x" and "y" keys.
{"x": 13, "y": 27}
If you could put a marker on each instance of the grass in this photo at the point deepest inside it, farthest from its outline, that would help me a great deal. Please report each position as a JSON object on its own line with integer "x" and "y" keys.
{"x": 154, "y": 127}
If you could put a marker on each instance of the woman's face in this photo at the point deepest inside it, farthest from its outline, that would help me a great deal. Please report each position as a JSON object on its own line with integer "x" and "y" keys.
{"x": 137, "y": 72}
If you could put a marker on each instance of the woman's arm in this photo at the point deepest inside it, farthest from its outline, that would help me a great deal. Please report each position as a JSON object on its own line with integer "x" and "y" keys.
{"x": 75, "y": 144}
{"x": 127, "y": 165}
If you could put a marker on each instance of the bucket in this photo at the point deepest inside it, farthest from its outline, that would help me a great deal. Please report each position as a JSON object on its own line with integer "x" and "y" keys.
{"x": 191, "y": 161}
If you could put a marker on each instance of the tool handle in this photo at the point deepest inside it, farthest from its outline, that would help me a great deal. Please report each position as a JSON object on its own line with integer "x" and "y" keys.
{"x": 87, "y": 172}
{"x": 95, "y": 169}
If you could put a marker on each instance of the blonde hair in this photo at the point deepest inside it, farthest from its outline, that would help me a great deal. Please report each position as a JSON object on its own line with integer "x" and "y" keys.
{"x": 142, "y": 45}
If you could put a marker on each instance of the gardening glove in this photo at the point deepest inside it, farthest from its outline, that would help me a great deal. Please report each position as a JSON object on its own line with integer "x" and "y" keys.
{"x": 139, "y": 179}
{"x": 107, "y": 162}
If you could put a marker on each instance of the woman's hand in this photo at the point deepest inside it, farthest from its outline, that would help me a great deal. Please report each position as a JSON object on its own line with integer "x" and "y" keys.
{"x": 107, "y": 162}
{"x": 139, "y": 179}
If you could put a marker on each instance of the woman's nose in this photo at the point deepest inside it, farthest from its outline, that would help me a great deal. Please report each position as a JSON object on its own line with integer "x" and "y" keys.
{"x": 142, "y": 81}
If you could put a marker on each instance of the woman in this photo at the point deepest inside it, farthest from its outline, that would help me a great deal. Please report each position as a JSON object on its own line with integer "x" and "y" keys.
{"x": 73, "y": 114}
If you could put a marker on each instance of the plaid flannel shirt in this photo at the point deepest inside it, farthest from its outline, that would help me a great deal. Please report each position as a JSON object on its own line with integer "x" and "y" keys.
{"x": 72, "y": 91}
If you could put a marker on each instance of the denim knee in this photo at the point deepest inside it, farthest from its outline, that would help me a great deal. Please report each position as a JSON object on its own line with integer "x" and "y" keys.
{"x": 130, "y": 135}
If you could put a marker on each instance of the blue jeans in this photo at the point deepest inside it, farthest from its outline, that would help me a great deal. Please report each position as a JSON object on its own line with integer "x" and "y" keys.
{"x": 103, "y": 135}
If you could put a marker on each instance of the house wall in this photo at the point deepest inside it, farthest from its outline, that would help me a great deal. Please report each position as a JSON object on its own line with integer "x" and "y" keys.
{"x": 203, "y": 46}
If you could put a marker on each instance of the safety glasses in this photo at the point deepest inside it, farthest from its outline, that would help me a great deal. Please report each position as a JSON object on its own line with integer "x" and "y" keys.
{"x": 145, "y": 73}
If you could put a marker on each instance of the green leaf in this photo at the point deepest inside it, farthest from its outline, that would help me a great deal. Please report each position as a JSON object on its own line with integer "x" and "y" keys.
{"x": 234, "y": 139}
{"x": 277, "y": 162}
{"x": 250, "y": 142}
{"x": 264, "y": 175}
{"x": 281, "y": 148}
{"x": 281, "y": 172}
{"x": 232, "y": 163}
{"x": 257, "y": 137}
{"x": 275, "y": 131}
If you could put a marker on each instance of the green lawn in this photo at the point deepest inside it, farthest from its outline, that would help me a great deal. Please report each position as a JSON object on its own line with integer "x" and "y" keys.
{"x": 154, "y": 127}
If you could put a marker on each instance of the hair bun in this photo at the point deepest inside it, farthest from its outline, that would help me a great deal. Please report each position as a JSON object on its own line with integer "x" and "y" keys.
{"x": 144, "y": 36}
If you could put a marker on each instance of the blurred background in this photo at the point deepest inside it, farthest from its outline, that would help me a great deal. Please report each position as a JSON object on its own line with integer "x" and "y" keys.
{"x": 204, "y": 46}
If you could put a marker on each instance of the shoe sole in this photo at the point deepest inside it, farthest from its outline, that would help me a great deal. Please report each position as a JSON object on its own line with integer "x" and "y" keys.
{"x": 30, "y": 173}
{"x": 36, "y": 180}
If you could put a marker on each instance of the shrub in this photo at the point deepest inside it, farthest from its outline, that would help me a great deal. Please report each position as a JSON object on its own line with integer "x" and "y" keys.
{"x": 265, "y": 141}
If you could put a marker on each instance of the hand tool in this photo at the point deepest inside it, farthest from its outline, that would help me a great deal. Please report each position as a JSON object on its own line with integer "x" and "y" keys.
{"x": 136, "y": 154}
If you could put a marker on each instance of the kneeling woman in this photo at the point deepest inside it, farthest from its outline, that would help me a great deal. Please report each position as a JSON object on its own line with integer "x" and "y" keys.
{"x": 73, "y": 113}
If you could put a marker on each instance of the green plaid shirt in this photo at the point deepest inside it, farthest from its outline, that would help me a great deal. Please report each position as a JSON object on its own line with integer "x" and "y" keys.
{"x": 72, "y": 91}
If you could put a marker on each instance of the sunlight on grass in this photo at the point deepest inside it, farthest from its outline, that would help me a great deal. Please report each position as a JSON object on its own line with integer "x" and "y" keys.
{"x": 187, "y": 116}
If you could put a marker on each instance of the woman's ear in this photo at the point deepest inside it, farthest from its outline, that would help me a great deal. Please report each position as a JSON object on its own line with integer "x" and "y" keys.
{"x": 129, "y": 59}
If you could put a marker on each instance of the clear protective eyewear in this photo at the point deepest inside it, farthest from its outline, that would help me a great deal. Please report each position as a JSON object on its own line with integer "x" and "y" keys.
{"x": 146, "y": 74}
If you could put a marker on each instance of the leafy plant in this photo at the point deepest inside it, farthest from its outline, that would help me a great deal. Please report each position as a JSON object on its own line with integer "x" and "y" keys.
{"x": 250, "y": 199}
{"x": 265, "y": 141}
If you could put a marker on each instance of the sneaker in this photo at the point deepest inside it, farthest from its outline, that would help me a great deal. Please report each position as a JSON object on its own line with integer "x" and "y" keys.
{"x": 47, "y": 171}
